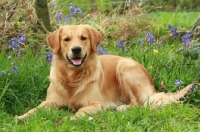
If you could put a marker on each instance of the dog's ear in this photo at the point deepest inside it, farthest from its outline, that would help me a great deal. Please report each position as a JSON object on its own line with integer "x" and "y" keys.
{"x": 53, "y": 40}
{"x": 95, "y": 38}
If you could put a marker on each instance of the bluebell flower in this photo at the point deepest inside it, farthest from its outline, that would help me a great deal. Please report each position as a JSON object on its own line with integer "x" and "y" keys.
{"x": 173, "y": 30}
{"x": 76, "y": 11}
{"x": 120, "y": 44}
{"x": 105, "y": 52}
{"x": 141, "y": 42}
{"x": 14, "y": 68}
{"x": 49, "y": 57}
{"x": 186, "y": 39}
{"x": 66, "y": 19}
{"x": 18, "y": 53}
{"x": 59, "y": 17}
{"x": 192, "y": 88}
{"x": 80, "y": 12}
{"x": 178, "y": 82}
{"x": 99, "y": 49}
{"x": 160, "y": 42}
{"x": 15, "y": 42}
{"x": 150, "y": 38}
{"x": 21, "y": 38}
{"x": 12, "y": 44}
{"x": 71, "y": 10}
{"x": 2, "y": 73}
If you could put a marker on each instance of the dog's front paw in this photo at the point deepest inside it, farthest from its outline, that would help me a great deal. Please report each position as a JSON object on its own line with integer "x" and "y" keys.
{"x": 72, "y": 118}
{"x": 20, "y": 117}
{"x": 122, "y": 108}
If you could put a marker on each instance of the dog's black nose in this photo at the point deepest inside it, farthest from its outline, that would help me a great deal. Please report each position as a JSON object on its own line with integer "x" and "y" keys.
{"x": 76, "y": 49}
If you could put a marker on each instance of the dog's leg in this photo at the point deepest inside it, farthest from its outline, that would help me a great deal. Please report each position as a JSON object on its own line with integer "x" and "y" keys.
{"x": 135, "y": 83}
{"x": 54, "y": 99}
{"x": 90, "y": 109}
{"x": 133, "y": 100}
{"x": 32, "y": 111}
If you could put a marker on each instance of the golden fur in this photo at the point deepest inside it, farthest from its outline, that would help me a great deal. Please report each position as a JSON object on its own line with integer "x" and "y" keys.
{"x": 86, "y": 83}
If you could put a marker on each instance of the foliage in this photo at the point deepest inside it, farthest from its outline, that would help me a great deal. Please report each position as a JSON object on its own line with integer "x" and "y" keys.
{"x": 19, "y": 17}
{"x": 92, "y": 5}
{"x": 108, "y": 6}
{"x": 175, "y": 5}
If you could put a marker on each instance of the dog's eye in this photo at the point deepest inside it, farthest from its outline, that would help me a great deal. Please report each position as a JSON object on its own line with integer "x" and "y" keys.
{"x": 83, "y": 38}
{"x": 67, "y": 39}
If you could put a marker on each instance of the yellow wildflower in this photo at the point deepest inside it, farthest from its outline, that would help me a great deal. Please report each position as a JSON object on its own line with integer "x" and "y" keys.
{"x": 155, "y": 51}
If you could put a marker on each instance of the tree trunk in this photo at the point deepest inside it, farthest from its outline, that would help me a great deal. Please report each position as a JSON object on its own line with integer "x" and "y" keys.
{"x": 93, "y": 6}
{"x": 43, "y": 13}
{"x": 196, "y": 30}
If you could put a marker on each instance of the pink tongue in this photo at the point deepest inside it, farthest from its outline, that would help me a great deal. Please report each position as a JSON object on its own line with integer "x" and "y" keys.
{"x": 76, "y": 61}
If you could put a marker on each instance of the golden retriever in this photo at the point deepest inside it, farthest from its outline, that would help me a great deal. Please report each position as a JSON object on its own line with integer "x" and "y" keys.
{"x": 87, "y": 83}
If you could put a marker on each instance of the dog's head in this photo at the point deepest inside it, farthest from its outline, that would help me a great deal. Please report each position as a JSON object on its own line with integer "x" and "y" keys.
{"x": 75, "y": 43}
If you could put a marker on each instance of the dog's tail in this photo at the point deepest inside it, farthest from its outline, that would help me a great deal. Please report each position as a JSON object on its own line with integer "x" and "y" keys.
{"x": 162, "y": 99}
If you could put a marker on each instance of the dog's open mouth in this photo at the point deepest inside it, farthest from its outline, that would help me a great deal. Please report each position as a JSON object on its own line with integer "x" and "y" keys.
{"x": 77, "y": 61}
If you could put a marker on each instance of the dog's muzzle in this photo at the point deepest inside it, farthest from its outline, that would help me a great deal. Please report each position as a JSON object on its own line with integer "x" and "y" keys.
{"x": 76, "y": 60}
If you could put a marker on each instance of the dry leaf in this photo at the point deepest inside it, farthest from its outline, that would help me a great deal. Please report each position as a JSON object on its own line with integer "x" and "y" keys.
{"x": 163, "y": 85}
{"x": 90, "y": 118}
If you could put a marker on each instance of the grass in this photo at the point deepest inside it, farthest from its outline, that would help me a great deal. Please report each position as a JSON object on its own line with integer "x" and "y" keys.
{"x": 24, "y": 90}
{"x": 182, "y": 117}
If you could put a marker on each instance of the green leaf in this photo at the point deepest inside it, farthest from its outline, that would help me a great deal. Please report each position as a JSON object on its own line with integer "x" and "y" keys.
{"x": 186, "y": 53}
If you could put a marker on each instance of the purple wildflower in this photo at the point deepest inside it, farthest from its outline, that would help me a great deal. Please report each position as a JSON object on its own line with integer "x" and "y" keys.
{"x": 21, "y": 39}
{"x": 186, "y": 39}
{"x": 80, "y": 12}
{"x": 192, "y": 88}
{"x": 173, "y": 30}
{"x": 14, "y": 68}
{"x": 178, "y": 82}
{"x": 105, "y": 52}
{"x": 141, "y": 42}
{"x": 2, "y": 73}
{"x": 49, "y": 57}
{"x": 18, "y": 53}
{"x": 15, "y": 42}
{"x": 76, "y": 11}
{"x": 66, "y": 19}
{"x": 120, "y": 44}
{"x": 71, "y": 10}
{"x": 99, "y": 49}
{"x": 160, "y": 42}
{"x": 150, "y": 38}
{"x": 59, "y": 17}
{"x": 12, "y": 44}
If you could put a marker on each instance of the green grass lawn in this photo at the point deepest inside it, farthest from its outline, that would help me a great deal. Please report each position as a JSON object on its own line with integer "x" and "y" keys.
{"x": 181, "y": 117}
{"x": 26, "y": 88}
